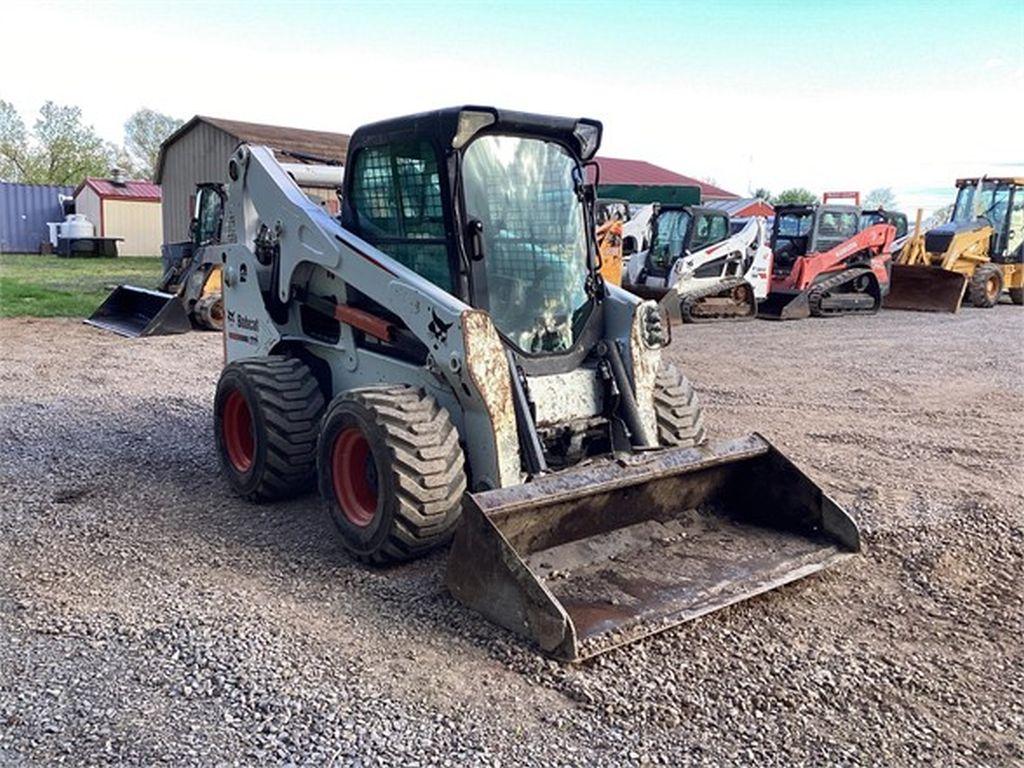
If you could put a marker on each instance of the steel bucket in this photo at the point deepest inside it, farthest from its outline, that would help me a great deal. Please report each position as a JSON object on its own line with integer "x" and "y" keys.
{"x": 925, "y": 289}
{"x": 779, "y": 305}
{"x": 585, "y": 560}
{"x": 132, "y": 311}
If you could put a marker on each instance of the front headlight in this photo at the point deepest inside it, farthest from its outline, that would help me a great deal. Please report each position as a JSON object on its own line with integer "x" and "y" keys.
{"x": 588, "y": 134}
{"x": 471, "y": 122}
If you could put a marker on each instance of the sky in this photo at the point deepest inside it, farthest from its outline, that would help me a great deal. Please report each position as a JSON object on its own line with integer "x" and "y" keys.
{"x": 773, "y": 93}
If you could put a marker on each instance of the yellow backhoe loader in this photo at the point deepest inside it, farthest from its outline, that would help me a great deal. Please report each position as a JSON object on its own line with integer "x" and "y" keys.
{"x": 979, "y": 252}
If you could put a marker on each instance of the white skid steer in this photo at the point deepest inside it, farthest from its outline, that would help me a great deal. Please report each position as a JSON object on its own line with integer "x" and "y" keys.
{"x": 697, "y": 271}
{"x": 446, "y": 362}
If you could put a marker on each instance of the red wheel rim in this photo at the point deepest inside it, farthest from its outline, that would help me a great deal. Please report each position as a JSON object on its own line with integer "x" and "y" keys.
{"x": 236, "y": 422}
{"x": 354, "y": 476}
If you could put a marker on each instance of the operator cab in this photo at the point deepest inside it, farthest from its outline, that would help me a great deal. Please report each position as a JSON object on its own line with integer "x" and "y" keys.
{"x": 897, "y": 219}
{"x": 493, "y": 207}
{"x": 991, "y": 202}
{"x": 802, "y": 230}
{"x": 678, "y": 230}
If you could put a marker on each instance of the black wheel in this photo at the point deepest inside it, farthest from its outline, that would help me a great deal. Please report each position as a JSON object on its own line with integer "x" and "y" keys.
{"x": 986, "y": 285}
{"x": 680, "y": 418}
{"x": 1017, "y": 296}
{"x": 266, "y": 419}
{"x": 392, "y": 472}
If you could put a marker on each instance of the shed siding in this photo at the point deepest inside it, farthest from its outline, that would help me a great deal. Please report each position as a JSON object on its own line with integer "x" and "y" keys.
{"x": 138, "y": 222}
{"x": 24, "y": 211}
{"x": 88, "y": 202}
{"x": 199, "y": 155}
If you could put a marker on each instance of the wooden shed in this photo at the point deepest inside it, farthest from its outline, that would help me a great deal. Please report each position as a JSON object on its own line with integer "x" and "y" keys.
{"x": 119, "y": 207}
{"x": 199, "y": 151}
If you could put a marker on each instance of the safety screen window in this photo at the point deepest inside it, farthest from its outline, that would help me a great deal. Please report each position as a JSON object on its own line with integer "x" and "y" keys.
{"x": 669, "y": 239}
{"x": 708, "y": 230}
{"x": 837, "y": 226}
{"x": 525, "y": 194}
{"x": 397, "y": 200}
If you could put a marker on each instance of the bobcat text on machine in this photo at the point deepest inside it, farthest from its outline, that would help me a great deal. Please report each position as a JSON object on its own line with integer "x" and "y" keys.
{"x": 980, "y": 251}
{"x": 697, "y": 270}
{"x": 824, "y": 264}
{"x": 447, "y": 360}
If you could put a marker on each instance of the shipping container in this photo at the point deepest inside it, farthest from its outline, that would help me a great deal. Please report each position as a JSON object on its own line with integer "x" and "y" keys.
{"x": 24, "y": 211}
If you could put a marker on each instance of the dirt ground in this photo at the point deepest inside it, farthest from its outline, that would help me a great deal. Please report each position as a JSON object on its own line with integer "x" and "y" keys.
{"x": 148, "y": 617}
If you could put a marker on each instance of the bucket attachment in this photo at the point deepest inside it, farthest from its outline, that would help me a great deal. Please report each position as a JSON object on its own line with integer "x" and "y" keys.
{"x": 585, "y": 560}
{"x": 926, "y": 289}
{"x": 133, "y": 312}
{"x": 784, "y": 306}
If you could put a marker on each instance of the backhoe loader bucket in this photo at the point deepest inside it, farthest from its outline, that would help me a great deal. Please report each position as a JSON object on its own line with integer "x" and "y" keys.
{"x": 132, "y": 311}
{"x": 784, "y": 306}
{"x": 926, "y": 289}
{"x": 586, "y": 560}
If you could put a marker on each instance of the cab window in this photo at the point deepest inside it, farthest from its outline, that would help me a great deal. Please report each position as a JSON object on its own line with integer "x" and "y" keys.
{"x": 396, "y": 195}
{"x": 709, "y": 230}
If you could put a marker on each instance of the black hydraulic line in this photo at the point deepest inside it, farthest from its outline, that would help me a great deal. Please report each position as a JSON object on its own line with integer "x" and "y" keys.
{"x": 529, "y": 441}
{"x": 627, "y": 398}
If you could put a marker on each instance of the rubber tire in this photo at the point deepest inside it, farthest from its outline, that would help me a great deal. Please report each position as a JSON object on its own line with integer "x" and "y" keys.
{"x": 420, "y": 470}
{"x": 286, "y": 406}
{"x": 979, "y": 281}
{"x": 678, "y": 410}
{"x": 1017, "y": 296}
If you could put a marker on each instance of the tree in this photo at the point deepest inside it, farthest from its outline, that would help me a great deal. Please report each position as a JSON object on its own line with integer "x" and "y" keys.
{"x": 143, "y": 133}
{"x": 13, "y": 143}
{"x": 795, "y": 196}
{"x": 761, "y": 194}
{"x": 881, "y": 197}
{"x": 60, "y": 150}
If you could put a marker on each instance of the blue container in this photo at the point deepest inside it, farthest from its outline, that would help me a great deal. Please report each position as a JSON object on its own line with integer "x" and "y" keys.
{"x": 24, "y": 211}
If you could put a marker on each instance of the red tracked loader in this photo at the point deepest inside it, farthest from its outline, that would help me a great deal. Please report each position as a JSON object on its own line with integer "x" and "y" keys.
{"x": 825, "y": 265}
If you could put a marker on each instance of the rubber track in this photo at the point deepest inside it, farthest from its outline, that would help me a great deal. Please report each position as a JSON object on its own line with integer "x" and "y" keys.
{"x": 688, "y": 301}
{"x": 428, "y": 469}
{"x": 679, "y": 414}
{"x": 292, "y": 407}
{"x": 818, "y": 291}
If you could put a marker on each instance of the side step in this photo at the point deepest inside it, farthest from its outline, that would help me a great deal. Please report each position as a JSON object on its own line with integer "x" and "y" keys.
{"x": 586, "y": 560}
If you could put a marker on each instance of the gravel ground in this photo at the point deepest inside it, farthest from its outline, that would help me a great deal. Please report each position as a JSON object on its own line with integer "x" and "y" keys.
{"x": 148, "y": 617}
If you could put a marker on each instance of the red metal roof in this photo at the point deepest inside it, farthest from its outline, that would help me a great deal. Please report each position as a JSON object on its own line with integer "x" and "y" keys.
{"x": 130, "y": 190}
{"x": 617, "y": 170}
{"x": 742, "y": 208}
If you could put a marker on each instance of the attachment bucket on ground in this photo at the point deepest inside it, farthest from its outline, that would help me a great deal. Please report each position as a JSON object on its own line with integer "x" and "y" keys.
{"x": 784, "y": 306}
{"x": 132, "y": 311}
{"x": 587, "y": 560}
{"x": 925, "y": 289}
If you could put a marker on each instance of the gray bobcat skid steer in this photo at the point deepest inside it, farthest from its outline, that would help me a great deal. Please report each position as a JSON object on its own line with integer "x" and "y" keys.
{"x": 446, "y": 361}
{"x": 189, "y": 293}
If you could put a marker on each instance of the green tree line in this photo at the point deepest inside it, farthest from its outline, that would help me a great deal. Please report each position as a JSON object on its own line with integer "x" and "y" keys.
{"x": 61, "y": 148}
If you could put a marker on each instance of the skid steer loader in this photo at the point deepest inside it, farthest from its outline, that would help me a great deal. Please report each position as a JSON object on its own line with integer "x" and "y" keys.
{"x": 824, "y": 264}
{"x": 980, "y": 251}
{"x": 446, "y": 360}
{"x": 698, "y": 271}
{"x": 189, "y": 293}
{"x": 610, "y": 215}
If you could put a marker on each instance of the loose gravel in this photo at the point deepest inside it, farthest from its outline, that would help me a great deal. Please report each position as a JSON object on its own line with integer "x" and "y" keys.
{"x": 147, "y": 617}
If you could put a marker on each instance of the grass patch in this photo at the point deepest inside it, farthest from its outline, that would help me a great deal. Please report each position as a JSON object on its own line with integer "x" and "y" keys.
{"x": 49, "y": 286}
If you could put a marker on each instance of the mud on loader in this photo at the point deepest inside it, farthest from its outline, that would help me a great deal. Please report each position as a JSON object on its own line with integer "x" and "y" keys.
{"x": 446, "y": 361}
{"x": 824, "y": 264}
{"x": 697, "y": 271}
{"x": 979, "y": 252}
